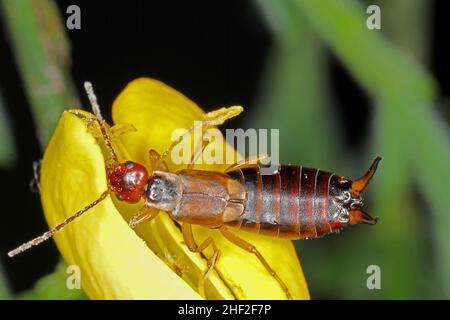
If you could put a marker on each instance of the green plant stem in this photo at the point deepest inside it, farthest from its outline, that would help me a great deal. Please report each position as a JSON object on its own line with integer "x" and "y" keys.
{"x": 294, "y": 91}
{"x": 41, "y": 50}
{"x": 407, "y": 24}
{"x": 7, "y": 148}
{"x": 4, "y": 289}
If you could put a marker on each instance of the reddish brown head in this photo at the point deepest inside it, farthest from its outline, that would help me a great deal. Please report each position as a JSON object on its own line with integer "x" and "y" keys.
{"x": 128, "y": 181}
{"x": 348, "y": 202}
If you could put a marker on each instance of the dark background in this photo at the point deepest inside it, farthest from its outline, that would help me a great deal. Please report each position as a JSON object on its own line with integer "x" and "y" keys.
{"x": 212, "y": 51}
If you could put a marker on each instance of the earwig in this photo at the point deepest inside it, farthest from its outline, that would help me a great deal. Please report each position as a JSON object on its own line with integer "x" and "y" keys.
{"x": 294, "y": 203}
{"x": 300, "y": 203}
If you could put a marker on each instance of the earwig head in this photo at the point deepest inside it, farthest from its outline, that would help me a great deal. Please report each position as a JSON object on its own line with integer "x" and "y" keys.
{"x": 164, "y": 190}
{"x": 347, "y": 201}
{"x": 128, "y": 180}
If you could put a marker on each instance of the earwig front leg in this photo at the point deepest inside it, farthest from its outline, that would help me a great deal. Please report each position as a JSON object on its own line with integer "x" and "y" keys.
{"x": 156, "y": 163}
{"x": 250, "y": 248}
{"x": 249, "y": 161}
{"x": 186, "y": 229}
{"x": 120, "y": 129}
{"x": 145, "y": 214}
{"x": 198, "y": 153}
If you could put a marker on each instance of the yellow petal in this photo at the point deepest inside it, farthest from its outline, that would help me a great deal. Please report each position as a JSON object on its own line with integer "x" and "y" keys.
{"x": 156, "y": 110}
{"x": 114, "y": 262}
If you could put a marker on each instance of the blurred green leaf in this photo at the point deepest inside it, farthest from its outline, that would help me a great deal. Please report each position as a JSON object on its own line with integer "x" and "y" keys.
{"x": 407, "y": 23}
{"x": 53, "y": 287}
{"x": 7, "y": 149}
{"x": 294, "y": 92}
{"x": 41, "y": 51}
{"x": 4, "y": 290}
{"x": 37, "y": 35}
{"x": 414, "y": 141}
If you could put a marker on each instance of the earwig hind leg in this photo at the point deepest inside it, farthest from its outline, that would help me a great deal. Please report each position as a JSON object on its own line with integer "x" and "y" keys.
{"x": 213, "y": 118}
{"x": 249, "y": 161}
{"x": 145, "y": 214}
{"x": 198, "y": 153}
{"x": 156, "y": 163}
{"x": 186, "y": 229}
{"x": 251, "y": 249}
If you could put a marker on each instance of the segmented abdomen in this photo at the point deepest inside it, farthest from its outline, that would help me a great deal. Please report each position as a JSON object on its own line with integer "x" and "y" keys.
{"x": 293, "y": 203}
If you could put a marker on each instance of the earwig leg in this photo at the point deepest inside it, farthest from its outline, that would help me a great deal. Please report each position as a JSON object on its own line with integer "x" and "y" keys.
{"x": 115, "y": 131}
{"x": 211, "y": 265}
{"x": 186, "y": 229}
{"x": 93, "y": 127}
{"x": 198, "y": 153}
{"x": 145, "y": 214}
{"x": 247, "y": 162}
{"x": 120, "y": 129}
{"x": 155, "y": 161}
{"x": 81, "y": 114}
{"x": 211, "y": 119}
{"x": 250, "y": 248}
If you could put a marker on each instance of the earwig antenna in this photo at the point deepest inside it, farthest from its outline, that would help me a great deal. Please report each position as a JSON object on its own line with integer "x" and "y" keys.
{"x": 47, "y": 235}
{"x": 96, "y": 109}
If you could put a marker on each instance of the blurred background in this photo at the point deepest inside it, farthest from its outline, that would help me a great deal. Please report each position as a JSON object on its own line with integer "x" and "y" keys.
{"x": 339, "y": 92}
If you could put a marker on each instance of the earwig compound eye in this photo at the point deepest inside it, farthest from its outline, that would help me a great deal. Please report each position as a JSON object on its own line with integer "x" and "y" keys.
{"x": 129, "y": 165}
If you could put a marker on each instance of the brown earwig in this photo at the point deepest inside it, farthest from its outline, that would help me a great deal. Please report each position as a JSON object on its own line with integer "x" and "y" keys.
{"x": 293, "y": 203}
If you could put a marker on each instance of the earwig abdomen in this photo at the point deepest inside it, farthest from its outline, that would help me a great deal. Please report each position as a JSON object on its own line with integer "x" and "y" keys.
{"x": 293, "y": 203}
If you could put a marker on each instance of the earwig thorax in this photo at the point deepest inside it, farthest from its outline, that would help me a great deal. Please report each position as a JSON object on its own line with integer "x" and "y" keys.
{"x": 163, "y": 190}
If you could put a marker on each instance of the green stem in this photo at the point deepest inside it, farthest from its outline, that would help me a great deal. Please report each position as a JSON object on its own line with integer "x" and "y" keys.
{"x": 4, "y": 289}
{"x": 41, "y": 50}
{"x": 294, "y": 92}
{"x": 7, "y": 148}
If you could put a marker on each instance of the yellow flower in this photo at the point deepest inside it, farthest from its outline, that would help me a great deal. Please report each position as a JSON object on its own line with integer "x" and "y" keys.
{"x": 151, "y": 262}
